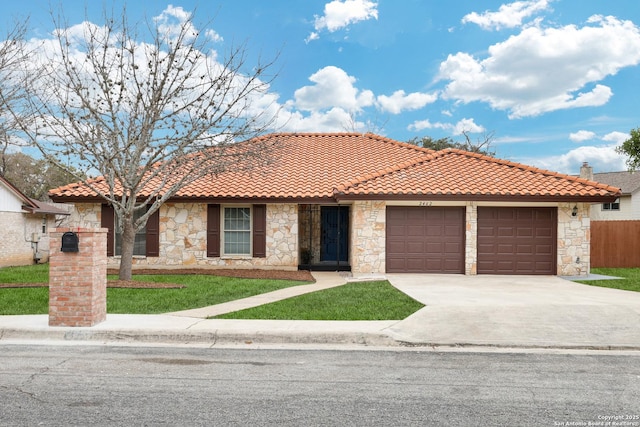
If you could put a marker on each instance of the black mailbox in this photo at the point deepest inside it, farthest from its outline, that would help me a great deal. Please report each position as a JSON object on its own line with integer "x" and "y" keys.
{"x": 69, "y": 242}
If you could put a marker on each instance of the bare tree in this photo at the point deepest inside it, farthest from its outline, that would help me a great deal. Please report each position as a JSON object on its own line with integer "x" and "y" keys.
{"x": 149, "y": 112}
{"x": 482, "y": 145}
{"x": 12, "y": 55}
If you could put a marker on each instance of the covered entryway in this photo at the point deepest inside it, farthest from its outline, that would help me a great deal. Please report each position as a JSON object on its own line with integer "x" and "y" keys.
{"x": 517, "y": 240}
{"x": 425, "y": 239}
{"x": 324, "y": 237}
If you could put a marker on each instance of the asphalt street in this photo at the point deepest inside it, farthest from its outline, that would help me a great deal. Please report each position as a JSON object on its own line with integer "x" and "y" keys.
{"x": 108, "y": 385}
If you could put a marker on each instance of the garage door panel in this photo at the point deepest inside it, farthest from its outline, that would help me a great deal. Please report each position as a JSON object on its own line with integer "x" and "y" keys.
{"x": 414, "y": 247}
{"x": 525, "y": 249}
{"x": 544, "y": 232}
{"x": 544, "y": 250}
{"x": 504, "y": 249}
{"x": 452, "y": 248}
{"x": 525, "y": 232}
{"x": 413, "y": 230}
{"x": 432, "y": 239}
{"x": 517, "y": 240}
{"x": 505, "y": 232}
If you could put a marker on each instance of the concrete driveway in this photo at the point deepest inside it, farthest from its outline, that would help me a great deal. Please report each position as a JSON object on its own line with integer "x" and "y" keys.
{"x": 517, "y": 311}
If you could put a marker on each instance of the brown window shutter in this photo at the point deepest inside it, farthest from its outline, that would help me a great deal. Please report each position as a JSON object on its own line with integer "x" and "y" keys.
{"x": 259, "y": 231}
{"x": 213, "y": 230}
{"x": 107, "y": 220}
{"x": 153, "y": 234}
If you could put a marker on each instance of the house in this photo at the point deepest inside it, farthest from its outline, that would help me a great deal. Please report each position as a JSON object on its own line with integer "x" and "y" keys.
{"x": 627, "y": 206}
{"x": 25, "y": 223}
{"x": 368, "y": 204}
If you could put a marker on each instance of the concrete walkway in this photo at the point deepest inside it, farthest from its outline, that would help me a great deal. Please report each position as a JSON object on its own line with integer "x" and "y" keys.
{"x": 324, "y": 280}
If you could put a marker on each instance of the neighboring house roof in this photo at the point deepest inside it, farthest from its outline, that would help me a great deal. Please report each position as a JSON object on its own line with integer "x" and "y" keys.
{"x": 628, "y": 182}
{"x": 329, "y": 166}
{"x": 31, "y": 205}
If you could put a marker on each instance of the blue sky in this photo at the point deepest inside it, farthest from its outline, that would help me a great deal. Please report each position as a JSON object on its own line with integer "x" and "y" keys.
{"x": 555, "y": 81}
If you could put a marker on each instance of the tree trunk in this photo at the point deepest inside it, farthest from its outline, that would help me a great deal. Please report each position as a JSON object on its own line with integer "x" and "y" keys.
{"x": 126, "y": 254}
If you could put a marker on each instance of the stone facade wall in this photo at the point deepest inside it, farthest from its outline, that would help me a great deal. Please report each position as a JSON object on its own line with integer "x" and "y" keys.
{"x": 574, "y": 240}
{"x": 368, "y": 238}
{"x": 84, "y": 215}
{"x": 471, "y": 239}
{"x": 183, "y": 237}
{"x": 78, "y": 280}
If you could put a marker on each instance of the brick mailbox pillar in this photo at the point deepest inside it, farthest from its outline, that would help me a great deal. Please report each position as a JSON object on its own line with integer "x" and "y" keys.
{"x": 77, "y": 277}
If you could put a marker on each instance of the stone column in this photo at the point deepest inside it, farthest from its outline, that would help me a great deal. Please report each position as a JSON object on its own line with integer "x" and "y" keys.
{"x": 78, "y": 280}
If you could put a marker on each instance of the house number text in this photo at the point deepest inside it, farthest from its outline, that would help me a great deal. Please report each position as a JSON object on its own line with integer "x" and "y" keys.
{"x": 425, "y": 203}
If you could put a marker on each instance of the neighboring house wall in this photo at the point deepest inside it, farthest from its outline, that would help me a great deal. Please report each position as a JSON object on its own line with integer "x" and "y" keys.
{"x": 629, "y": 209}
{"x": 22, "y": 236}
{"x": 23, "y": 233}
{"x": 635, "y": 205}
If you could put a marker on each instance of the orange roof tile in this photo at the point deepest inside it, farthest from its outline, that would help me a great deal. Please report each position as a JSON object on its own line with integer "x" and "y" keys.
{"x": 458, "y": 173}
{"x": 325, "y": 166}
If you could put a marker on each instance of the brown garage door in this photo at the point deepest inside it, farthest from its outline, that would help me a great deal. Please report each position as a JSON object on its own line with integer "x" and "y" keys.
{"x": 425, "y": 239}
{"x": 517, "y": 240}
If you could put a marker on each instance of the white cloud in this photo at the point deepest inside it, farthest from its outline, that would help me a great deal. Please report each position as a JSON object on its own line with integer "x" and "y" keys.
{"x": 582, "y": 135}
{"x": 464, "y": 125}
{"x": 214, "y": 36}
{"x": 333, "y": 120}
{"x": 426, "y": 124}
{"x": 333, "y": 88}
{"x": 508, "y": 15}
{"x": 602, "y": 159}
{"x": 542, "y": 70}
{"x": 399, "y": 101}
{"x": 616, "y": 137}
{"x": 171, "y": 20}
{"x": 467, "y": 125}
{"x": 339, "y": 14}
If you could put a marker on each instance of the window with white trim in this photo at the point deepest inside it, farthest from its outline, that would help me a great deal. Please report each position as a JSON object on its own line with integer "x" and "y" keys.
{"x": 236, "y": 231}
{"x": 614, "y": 206}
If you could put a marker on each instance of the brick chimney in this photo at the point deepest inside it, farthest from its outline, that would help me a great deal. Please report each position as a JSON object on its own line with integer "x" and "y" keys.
{"x": 586, "y": 171}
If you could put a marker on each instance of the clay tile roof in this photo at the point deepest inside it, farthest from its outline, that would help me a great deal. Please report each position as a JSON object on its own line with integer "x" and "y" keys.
{"x": 460, "y": 173}
{"x": 306, "y": 165}
{"x": 326, "y": 166}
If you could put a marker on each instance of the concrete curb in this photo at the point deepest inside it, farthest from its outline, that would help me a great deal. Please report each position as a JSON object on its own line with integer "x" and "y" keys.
{"x": 229, "y": 337}
{"x": 521, "y": 346}
{"x": 199, "y": 337}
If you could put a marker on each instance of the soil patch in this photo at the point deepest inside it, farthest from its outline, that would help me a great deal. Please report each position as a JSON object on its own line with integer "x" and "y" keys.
{"x": 302, "y": 276}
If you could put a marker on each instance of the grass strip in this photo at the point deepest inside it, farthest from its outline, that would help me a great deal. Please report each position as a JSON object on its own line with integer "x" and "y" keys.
{"x": 629, "y": 278}
{"x": 375, "y": 300}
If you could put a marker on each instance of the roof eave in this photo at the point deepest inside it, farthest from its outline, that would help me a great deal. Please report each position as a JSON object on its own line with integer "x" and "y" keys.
{"x": 481, "y": 197}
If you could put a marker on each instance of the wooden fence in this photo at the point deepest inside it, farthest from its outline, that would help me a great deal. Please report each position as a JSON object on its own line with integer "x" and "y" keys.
{"x": 615, "y": 244}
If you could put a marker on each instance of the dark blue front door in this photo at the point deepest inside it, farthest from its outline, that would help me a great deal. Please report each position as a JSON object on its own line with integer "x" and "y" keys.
{"x": 334, "y": 244}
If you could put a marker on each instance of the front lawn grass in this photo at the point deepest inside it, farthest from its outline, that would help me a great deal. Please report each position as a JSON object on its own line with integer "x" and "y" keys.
{"x": 630, "y": 278}
{"x": 199, "y": 291}
{"x": 38, "y": 273}
{"x": 376, "y": 300}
